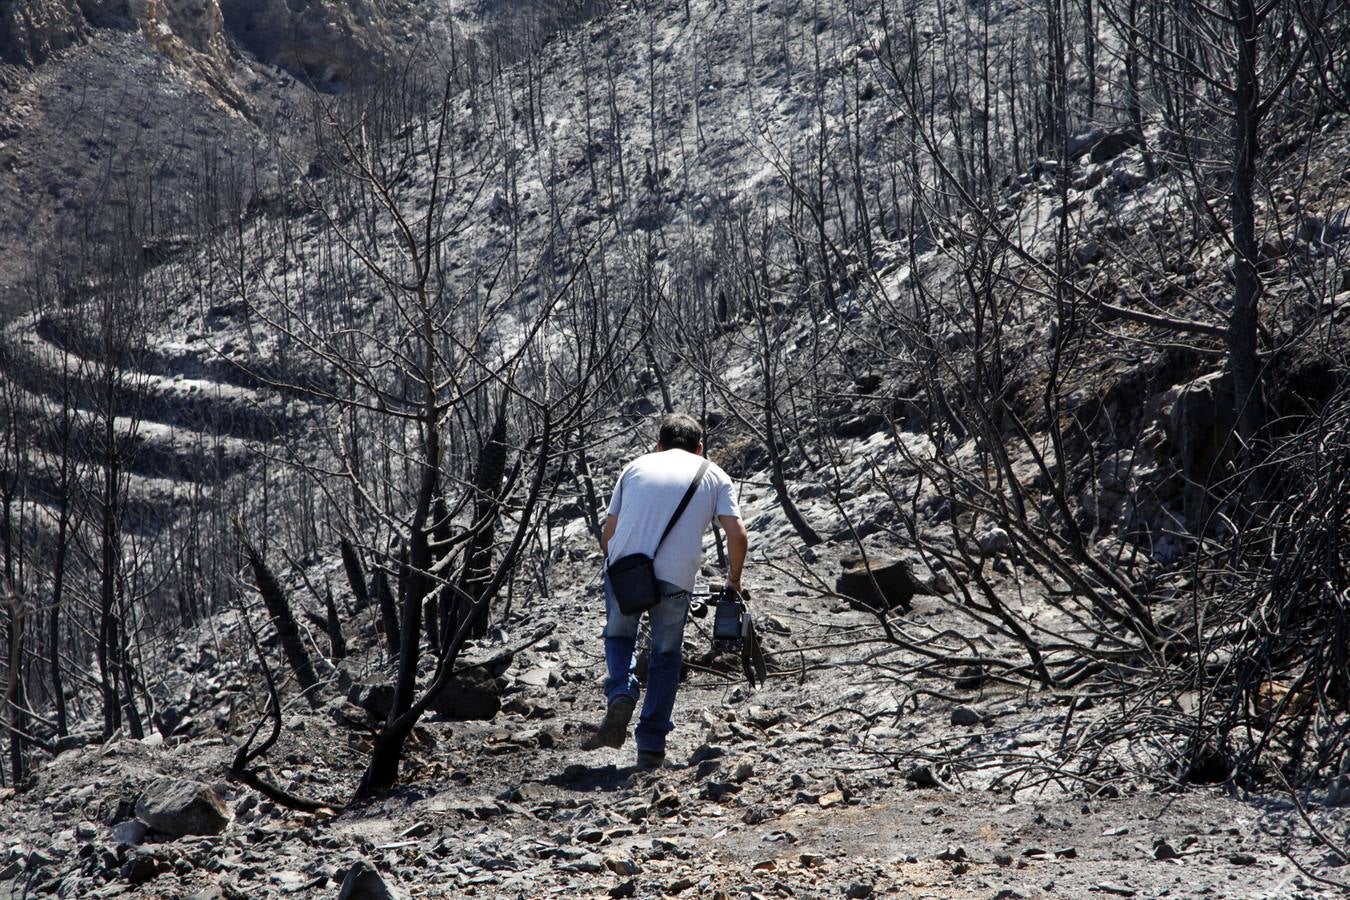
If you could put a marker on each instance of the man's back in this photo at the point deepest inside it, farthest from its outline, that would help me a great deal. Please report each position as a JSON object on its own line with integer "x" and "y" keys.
{"x": 646, "y": 496}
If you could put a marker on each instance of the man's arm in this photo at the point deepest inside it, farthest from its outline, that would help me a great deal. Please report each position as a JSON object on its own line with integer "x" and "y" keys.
{"x": 738, "y": 542}
{"x": 607, "y": 533}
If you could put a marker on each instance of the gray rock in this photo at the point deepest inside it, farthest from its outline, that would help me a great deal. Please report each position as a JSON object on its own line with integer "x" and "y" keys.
{"x": 131, "y": 832}
{"x": 376, "y": 699}
{"x": 993, "y": 540}
{"x": 179, "y": 807}
{"x": 139, "y": 869}
{"x": 364, "y": 883}
{"x": 1114, "y": 143}
{"x": 474, "y": 694}
{"x": 591, "y": 862}
{"x": 966, "y": 716}
{"x": 877, "y": 583}
{"x": 1079, "y": 144}
{"x": 1199, "y": 428}
{"x": 859, "y": 890}
{"x": 1087, "y": 253}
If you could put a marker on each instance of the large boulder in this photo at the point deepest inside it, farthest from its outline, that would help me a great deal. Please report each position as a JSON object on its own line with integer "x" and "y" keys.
{"x": 1114, "y": 143}
{"x": 472, "y": 694}
{"x": 178, "y": 807}
{"x": 376, "y": 699}
{"x": 877, "y": 583}
{"x": 1200, "y": 430}
{"x": 364, "y": 883}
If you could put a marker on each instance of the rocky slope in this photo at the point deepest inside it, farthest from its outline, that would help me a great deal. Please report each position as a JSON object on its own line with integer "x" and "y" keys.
{"x": 837, "y": 779}
{"x": 860, "y": 769}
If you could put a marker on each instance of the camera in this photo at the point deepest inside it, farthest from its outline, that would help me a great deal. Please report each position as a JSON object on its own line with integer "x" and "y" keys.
{"x": 730, "y": 621}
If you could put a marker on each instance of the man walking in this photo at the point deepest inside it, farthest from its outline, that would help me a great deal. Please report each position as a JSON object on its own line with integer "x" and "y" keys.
{"x": 647, "y": 495}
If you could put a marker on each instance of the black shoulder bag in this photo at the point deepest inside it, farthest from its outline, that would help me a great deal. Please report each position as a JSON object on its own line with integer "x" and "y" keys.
{"x": 632, "y": 578}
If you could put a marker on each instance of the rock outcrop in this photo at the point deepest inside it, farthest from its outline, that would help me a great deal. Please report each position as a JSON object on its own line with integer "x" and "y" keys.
{"x": 317, "y": 40}
{"x": 32, "y": 30}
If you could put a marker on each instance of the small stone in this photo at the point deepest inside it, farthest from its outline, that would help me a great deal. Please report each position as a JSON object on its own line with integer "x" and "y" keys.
{"x": 859, "y": 890}
{"x": 140, "y": 868}
{"x": 705, "y": 753}
{"x": 375, "y": 699}
{"x": 1164, "y": 850}
{"x": 1107, "y": 887}
{"x": 743, "y": 769}
{"x": 966, "y": 716}
{"x": 922, "y": 776}
{"x": 1066, "y": 853}
{"x": 620, "y": 865}
{"x": 1003, "y": 859}
{"x": 830, "y": 800}
{"x": 130, "y": 833}
{"x": 416, "y": 830}
{"x": 707, "y": 768}
{"x": 952, "y": 853}
{"x": 1242, "y": 859}
{"x": 757, "y": 815}
{"x": 993, "y": 540}
{"x": 591, "y": 862}
{"x": 624, "y": 889}
{"x": 679, "y": 885}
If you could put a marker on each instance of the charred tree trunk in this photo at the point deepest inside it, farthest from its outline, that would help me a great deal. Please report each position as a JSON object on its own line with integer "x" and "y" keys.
{"x": 14, "y": 694}
{"x": 591, "y": 501}
{"x": 388, "y": 612}
{"x": 108, "y": 646}
{"x": 1243, "y": 362}
{"x": 415, "y": 574}
{"x": 478, "y": 558}
{"x": 444, "y": 598}
{"x": 337, "y": 645}
{"x": 356, "y": 575}
{"x": 279, "y": 609}
{"x": 54, "y": 624}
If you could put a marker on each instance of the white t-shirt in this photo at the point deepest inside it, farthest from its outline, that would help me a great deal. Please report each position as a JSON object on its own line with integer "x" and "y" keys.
{"x": 648, "y": 490}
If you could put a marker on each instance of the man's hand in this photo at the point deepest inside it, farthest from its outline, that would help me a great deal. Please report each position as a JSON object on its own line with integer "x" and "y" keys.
{"x": 607, "y": 533}
{"x": 738, "y": 543}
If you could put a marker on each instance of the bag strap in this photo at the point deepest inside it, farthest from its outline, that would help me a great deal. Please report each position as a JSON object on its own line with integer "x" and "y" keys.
{"x": 684, "y": 503}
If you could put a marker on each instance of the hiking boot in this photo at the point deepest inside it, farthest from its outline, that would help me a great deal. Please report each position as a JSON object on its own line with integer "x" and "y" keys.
{"x": 613, "y": 729}
{"x": 650, "y": 760}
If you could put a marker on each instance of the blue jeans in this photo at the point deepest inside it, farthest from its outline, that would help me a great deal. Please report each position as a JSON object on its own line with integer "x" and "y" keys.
{"x": 666, "y": 621}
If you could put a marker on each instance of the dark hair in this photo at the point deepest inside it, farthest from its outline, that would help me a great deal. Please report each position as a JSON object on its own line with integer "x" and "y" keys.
{"x": 680, "y": 432}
